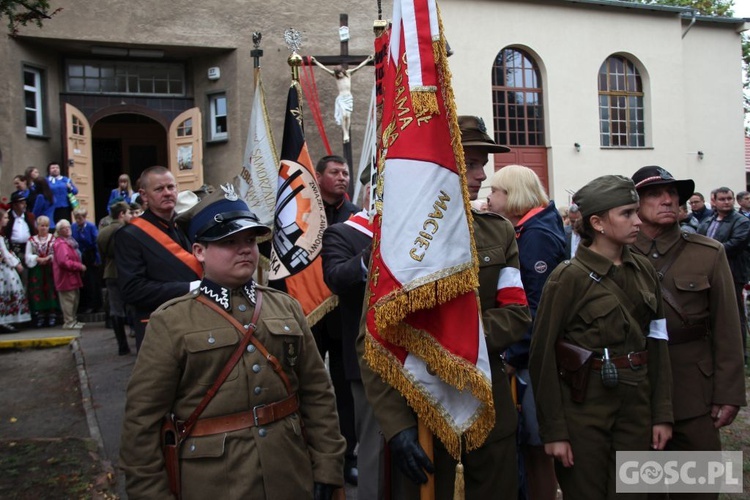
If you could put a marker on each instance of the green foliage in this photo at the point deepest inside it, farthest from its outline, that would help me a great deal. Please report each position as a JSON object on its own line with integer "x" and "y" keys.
{"x": 22, "y": 12}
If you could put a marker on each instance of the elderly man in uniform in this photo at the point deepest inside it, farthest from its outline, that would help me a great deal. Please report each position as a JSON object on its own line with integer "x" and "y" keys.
{"x": 705, "y": 345}
{"x": 490, "y": 471}
{"x": 270, "y": 431}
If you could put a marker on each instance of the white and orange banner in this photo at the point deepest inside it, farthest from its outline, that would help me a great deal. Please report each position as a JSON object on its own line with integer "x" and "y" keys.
{"x": 425, "y": 334}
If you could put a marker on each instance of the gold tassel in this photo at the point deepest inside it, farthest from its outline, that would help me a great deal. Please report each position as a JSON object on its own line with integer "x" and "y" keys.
{"x": 459, "y": 491}
{"x": 424, "y": 102}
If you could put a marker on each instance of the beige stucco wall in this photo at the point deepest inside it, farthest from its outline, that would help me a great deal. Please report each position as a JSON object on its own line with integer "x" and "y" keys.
{"x": 189, "y": 28}
{"x": 570, "y": 42}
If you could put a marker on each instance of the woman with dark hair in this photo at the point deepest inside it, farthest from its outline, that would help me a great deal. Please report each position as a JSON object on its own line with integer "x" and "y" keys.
{"x": 14, "y": 306}
{"x": 599, "y": 362}
{"x": 45, "y": 201}
{"x": 31, "y": 174}
{"x": 62, "y": 187}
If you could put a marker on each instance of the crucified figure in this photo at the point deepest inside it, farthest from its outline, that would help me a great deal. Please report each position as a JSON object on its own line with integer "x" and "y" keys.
{"x": 344, "y": 101}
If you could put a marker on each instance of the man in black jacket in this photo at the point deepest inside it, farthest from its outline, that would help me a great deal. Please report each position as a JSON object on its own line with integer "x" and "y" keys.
{"x": 730, "y": 228}
{"x": 152, "y": 254}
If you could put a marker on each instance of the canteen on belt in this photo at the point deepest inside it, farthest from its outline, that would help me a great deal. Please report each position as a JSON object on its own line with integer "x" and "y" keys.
{"x": 609, "y": 371}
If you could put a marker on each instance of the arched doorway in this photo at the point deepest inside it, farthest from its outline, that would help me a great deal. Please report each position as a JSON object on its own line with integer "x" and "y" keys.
{"x": 518, "y": 111}
{"x": 124, "y": 143}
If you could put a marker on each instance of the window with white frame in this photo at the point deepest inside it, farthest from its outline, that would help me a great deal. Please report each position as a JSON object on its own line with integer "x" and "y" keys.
{"x": 32, "y": 95}
{"x": 621, "y": 109}
{"x": 218, "y": 116}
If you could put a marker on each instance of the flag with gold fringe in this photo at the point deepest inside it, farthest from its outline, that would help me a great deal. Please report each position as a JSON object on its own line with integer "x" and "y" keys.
{"x": 424, "y": 329}
{"x": 257, "y": 179}
{"x": 299, "y": 221}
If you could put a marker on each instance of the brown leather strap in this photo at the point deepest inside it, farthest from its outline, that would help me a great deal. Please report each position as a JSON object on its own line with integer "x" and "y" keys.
{"x": 688, "y": 333}
{"x": 630, "y": 360}
{"x": 257, "y": 343}
{"x": 236, "y": 355}
{"x": 259, "y": 415}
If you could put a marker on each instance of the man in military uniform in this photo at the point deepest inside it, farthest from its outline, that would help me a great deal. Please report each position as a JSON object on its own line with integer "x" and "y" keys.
{"x": 491, "y": 470}
{"x": 271, "y": 429}
{"x": 705, "y": 346}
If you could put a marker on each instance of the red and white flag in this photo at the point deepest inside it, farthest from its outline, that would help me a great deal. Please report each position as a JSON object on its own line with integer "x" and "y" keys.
{"x": 425, "y": 334}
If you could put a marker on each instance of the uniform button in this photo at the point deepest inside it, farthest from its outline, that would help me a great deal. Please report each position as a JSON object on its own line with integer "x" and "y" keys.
{"x": 251, "y": 348}
{"x": 262, "y": 432}
{"x": 195, "y": 292}
{"x": 486, "y": 258}
{"x": 692, "y": 285}
{"x": 256, "y": 368}
{"x": 242, "y": 307}
{"x": 211, "y": 340}
{"x": 286, "y": 328}
{"x": 246, "y": 326}
{"x": 192, "y": 447}
{"x": 655, "y": 255}
{"x": 257, "y": 391}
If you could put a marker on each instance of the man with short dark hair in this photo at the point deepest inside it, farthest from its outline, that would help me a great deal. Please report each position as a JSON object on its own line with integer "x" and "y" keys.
{"x": 572, "y": 238}
{"x": 332, "y": 174}
{"x": 21, "y": 226}
{"x": 698, "y": 207}
{"x": 704, "y": 344}
{"x": 151, "y": 253}
{"x": 733, "y": 231}
{"x": 743, "y": 200}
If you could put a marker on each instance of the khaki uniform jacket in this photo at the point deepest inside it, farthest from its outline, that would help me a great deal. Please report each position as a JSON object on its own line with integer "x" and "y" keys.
{"x": 503, "y": 326}
{"x": 576, "y": 308}
{"x": 708, "y": 371}
{"x": 186, "y": 346}
{"x": 106, "y": 245}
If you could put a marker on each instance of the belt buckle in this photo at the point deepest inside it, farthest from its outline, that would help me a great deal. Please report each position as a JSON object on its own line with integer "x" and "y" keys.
{"x": 255, "y": 413}
{"x": 633, "y": 367}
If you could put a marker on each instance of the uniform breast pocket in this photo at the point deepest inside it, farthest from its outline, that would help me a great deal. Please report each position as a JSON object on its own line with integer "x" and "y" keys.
{"x": 605, "y": 321}
{"x": 693, "y": 291}
{"x": 286, "y": 340}
{"x": 208, "y": 353}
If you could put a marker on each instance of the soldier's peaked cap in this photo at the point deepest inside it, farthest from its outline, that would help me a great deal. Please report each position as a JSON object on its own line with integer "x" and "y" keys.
{"x": 221, "y": 214}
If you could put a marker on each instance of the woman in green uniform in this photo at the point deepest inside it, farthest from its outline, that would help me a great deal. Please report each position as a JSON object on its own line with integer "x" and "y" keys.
{"x": 599, "y": 362}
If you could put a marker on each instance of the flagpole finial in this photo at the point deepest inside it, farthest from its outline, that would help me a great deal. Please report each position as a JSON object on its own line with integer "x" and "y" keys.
{"x": 379, "y": 26}
{"x": 293, "y": 39}
{"x": 257, "y": 52}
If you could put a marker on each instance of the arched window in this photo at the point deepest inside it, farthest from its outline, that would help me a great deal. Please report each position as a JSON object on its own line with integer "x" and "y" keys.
{"x": 620, "y": 104}
{"x": 517, "y": 99}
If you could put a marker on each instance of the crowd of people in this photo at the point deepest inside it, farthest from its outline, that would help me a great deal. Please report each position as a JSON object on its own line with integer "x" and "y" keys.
{"x": 629, "y": 334}
{"x": 52, "y": 271}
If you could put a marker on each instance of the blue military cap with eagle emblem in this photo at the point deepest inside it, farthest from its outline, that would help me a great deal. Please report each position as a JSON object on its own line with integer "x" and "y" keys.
{"x": 219, "y": 215}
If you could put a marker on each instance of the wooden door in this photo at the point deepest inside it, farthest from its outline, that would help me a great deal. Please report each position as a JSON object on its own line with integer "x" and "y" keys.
{"x": 79, "y": 157}
{"x": 534, "y": 157}
{"x": 186, "y": 150}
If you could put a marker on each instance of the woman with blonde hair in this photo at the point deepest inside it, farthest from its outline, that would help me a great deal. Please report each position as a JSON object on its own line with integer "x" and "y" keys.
{"x": 518, "y": 194}
{"x": 67, "y": 269}
{"x": 123, "y": 191}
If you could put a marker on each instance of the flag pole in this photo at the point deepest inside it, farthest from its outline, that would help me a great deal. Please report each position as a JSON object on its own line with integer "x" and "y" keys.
{"x": 426, "y": 490}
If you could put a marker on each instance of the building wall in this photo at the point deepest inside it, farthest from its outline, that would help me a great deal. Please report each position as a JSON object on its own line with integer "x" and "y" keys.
{"x": 693, "y": 85}
{"x": 204, "y": 34}
{"x": 570, "y": 42}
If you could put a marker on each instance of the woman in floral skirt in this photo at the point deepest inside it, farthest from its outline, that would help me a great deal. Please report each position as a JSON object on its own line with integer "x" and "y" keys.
{"x": 42, "y": 295}
{"x": 14, "y": 307}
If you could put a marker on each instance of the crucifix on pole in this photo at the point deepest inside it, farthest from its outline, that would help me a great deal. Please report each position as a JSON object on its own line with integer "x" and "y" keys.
{"x": 342, "y": 73}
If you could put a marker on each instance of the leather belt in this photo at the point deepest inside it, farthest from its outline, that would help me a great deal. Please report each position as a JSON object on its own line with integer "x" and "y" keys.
{"x": 630, "y": 360}
{"x": 259, "y": 415}
{"x": 688, "y": 333}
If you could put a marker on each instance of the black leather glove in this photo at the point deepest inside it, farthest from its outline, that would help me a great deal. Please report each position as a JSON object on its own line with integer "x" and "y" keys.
{"x": 409, "y": 456}
{"x": 323, "y": 491}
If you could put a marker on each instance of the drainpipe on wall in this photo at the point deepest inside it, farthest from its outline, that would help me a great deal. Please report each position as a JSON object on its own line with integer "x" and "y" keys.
{"x": 692, "y": 22}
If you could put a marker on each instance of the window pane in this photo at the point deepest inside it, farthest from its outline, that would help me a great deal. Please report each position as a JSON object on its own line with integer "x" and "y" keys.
{"x": 221, "y": 124}
{"x": 75, "y": 84}
{"x": 30, "y": 99}
{"x": 31, "y": 120}
{"x": 29, "y": 79}
{"x": 221, "y": 105}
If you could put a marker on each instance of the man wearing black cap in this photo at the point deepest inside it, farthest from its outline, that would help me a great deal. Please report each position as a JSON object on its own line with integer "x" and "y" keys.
{"x": 490, "y": 471}
{"x": 270, "y": 430}
{"x": 702, "y": 321}
{"x": 21, "y": 226}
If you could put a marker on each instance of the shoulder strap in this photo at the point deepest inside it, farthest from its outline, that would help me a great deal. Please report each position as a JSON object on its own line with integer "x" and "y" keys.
{"x": 662, "y": 272}
{"x": 236, "y": 355}
{"x": 162, "y": 239}
{"x": 257, "y": 343}
{"x": 609, "y": 284}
